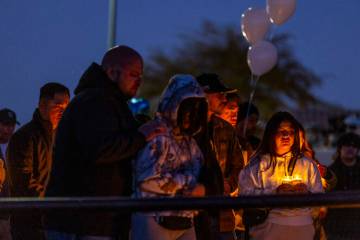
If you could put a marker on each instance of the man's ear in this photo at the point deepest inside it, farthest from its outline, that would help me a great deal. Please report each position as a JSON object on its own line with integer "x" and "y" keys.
{"x": 42, "y": 103}
{"x": 112, "y": 73}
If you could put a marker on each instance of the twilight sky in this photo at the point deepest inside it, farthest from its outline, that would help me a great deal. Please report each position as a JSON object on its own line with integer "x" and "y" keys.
{"x": 51, "y": 40}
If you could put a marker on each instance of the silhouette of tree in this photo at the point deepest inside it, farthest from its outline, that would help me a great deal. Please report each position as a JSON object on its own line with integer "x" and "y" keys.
{"x": 223, "y": 51}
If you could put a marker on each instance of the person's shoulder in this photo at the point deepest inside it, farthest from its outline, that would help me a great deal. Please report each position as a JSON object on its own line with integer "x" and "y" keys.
{"x": 218, "y": 121}
{"x": 88, "y": 95}
{"x": 335, "y": 165}
{"x": 93, "y": 99}
{"x": 28, "y": 129}
{"x": 159, "y": 142}
{"x": 307, "y": 161}
{"x": 223, "y": 127}
{"x": 24, "y": 134}
{"x": 261, "y": 161}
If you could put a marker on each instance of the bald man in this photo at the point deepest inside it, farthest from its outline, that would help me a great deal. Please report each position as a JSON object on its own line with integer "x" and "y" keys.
{"x": 95, "y": 143}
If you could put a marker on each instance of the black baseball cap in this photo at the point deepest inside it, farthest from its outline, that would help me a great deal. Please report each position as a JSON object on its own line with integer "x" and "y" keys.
{"x": 211, "y": 83}
{"x": 8, "y": 116}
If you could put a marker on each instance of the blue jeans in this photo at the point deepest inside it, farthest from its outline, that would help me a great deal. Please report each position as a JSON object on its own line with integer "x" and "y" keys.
{"x": 54, "y": 235}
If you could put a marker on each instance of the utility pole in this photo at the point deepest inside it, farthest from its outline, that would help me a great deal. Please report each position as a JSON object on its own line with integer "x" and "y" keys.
{"x": 112, "y": 24}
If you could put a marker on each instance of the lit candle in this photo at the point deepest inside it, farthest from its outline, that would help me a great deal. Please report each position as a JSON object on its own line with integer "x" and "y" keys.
{"x": 292, "y": 179}
{"x": 287, "y": 179}
{"x": 296, "y": 179}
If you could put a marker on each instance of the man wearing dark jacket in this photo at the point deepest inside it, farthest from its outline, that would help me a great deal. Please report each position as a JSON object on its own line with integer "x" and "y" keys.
{"x": 342, "y": 223}
{"x": 29, "y": 157}
{"x": 224, "y": 144}
{"x": 95, "y": 143}
{"x": 7, "y": 127}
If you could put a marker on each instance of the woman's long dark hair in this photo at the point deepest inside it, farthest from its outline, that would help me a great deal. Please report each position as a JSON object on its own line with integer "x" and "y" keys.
{"x": 267, "y": 145}
{"x": 306, "y": 149}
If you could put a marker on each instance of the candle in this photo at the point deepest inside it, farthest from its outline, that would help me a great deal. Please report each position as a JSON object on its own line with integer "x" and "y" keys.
{"x": 297, "y": 179}
{"x": 287, "y": 179}
{"x": 293, "y": 180}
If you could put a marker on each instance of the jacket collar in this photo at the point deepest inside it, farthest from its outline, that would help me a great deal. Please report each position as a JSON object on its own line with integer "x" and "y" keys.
{"x": 44, "y": 124}
{"x": 95, "y": 78}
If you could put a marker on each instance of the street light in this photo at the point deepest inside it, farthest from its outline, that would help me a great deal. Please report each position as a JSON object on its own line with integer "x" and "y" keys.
{"x": 112, "y": 24}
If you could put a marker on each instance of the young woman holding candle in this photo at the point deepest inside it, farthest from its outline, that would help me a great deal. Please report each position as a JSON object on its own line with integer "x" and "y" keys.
{"x": 278, "y": 167}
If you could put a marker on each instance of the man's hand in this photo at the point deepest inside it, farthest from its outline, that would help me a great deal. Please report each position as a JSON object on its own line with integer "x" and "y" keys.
{"x": 197, "y": 191}
{"x": 152, "y": 129}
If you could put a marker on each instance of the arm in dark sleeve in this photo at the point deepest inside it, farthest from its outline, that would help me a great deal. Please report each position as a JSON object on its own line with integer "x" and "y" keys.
{"x": 330, "y": 179}
{"x": 236, "y": 161}
{"x": 210, "y": 172}
{"x": 20, "y": 166}
{"x": 97, "y": 128}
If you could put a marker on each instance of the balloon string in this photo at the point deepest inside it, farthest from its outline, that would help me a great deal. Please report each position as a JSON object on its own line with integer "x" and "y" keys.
{"x": 255, "y": 80}
{"x": 252, "y": 80}
{"x": 272, "y": 32}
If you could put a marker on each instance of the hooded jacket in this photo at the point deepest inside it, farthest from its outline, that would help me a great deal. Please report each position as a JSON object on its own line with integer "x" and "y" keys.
{"x": 173, "y": 156}
{"x": 96, "y": 139}
{"x": 262, "y": 177}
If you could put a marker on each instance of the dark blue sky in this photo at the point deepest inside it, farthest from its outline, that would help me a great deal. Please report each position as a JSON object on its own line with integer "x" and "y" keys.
{"x": 51, "y": 40}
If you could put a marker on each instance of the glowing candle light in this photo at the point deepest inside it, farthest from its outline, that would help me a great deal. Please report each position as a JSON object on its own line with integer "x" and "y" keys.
{"x": 292, "y": 179}
{"x": 287, "y": 179}
{"x": 296, "y": 179}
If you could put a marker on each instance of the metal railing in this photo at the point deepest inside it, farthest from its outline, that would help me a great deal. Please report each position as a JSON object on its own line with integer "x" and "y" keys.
{"x": 350, "y": 199}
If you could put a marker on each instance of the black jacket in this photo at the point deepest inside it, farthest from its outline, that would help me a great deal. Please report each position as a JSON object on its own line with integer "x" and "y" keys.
{"x": 223, "y": 162}
{"x": 29, "y": 158}
{"x": 95, "y": 142}
{"x": 348, "y": 178}
{"x": 29, "y": 162}
{"x": 227, "y": 149}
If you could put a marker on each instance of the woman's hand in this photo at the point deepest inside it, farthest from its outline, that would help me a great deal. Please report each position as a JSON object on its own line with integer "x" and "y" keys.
{"x": 285, "y": 188}
{"x": 300, "y": 188}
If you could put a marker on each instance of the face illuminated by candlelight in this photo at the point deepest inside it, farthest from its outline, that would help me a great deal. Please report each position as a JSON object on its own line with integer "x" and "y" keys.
{"x": 229, "y": 113}
{"x": 284, "y": 138}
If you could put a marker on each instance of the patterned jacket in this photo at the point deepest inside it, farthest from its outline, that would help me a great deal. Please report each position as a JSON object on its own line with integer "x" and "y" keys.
{"x": 172, "y": 157}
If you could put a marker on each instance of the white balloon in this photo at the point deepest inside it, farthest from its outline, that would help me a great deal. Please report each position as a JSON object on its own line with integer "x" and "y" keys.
{"x": 280, "y": 10}
{"x": 261, "y": 57}
{"x": 255, "y": 24}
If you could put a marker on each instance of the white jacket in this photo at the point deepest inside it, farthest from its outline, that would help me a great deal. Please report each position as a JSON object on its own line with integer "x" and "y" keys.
{"x": 259, "y": 177}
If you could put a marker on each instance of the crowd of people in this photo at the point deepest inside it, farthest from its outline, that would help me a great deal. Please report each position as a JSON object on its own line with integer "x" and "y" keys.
{"x": 201, "y": 142}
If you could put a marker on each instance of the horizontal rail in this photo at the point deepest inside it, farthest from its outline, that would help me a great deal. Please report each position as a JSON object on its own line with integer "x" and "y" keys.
{"x": 350, "y": 199}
